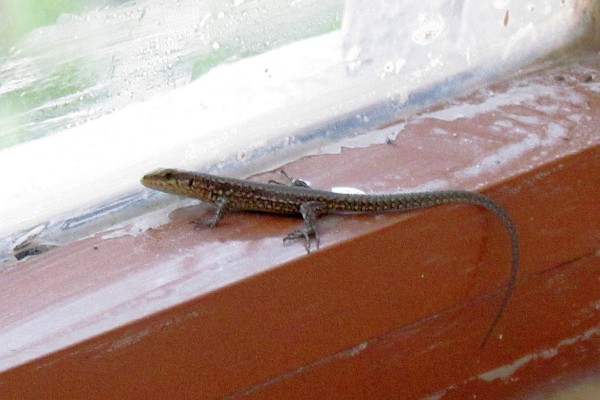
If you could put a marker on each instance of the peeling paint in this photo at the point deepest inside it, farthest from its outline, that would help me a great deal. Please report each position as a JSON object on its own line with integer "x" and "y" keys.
{"x": 506, "y": 371}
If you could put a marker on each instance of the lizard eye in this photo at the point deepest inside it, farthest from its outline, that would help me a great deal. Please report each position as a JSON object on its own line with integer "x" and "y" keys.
{"x": 168, "y": 175}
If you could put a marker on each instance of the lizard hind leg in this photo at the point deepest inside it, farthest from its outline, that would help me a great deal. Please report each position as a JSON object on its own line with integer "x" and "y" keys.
{"x": 310, "y": 212}
{"x": 291, "y": 181}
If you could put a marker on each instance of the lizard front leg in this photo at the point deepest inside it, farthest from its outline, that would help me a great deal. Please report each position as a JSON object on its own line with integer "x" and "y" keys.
{"x": 221, "y": 205}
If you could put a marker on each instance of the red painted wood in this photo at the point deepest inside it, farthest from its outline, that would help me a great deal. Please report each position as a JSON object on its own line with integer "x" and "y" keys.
{"x": 392, "y": 306}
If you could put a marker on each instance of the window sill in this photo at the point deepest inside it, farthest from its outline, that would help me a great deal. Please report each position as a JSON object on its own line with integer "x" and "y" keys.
{"x": 393, "y": 305}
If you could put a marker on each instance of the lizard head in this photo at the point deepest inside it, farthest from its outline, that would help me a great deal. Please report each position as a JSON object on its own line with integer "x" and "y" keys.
{"x": 182, "y": 183}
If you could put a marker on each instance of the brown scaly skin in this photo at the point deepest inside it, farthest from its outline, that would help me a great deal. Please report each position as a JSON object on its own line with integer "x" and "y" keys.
{"x": 299, "y": 199}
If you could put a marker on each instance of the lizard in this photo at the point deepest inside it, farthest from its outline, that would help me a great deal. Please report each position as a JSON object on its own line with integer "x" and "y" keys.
{"x": 300, "y": 199}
